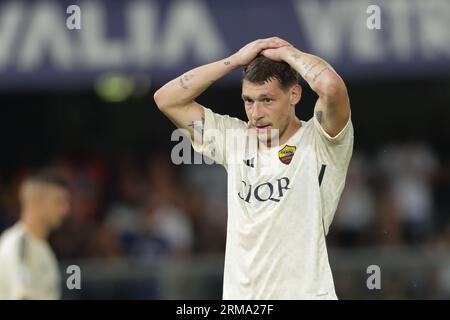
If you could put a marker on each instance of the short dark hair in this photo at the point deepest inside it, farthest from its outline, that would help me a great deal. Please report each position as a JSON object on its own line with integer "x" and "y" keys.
{"x": 262, "y": 69}
{"x": 49, "y": 176}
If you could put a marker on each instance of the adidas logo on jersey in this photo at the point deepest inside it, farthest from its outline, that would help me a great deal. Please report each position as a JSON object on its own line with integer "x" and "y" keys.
{"x": 250, "y": 162}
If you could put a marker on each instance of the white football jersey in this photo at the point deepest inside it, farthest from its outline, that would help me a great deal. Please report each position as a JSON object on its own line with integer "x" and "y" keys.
{"x": 281, "y": 202}
{"x": 28, "y": 267}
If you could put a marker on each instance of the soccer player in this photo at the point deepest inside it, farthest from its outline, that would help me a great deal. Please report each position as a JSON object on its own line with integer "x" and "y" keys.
{"x": 28, "y": 267}
{"x": 279, "y": 212}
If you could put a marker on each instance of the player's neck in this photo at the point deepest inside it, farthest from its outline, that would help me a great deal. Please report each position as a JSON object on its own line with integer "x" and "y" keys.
{"x": 293, "y": 126}
{"x": 35, "y": 227}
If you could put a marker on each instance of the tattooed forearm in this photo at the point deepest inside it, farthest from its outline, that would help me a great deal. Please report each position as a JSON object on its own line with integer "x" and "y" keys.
{"x": 312, "y": 69}
{"x": 295, "y": 56}
{"x": 185, "y": 78}
{"x": 310, "y": 66}
{"x": 182, "y": 84}
{"x": 317, "y": 75}
{"x": 319, "y": 116}
{"x": 188, "y": 77}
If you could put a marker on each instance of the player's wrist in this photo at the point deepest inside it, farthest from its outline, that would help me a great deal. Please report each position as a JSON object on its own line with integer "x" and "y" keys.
{"x": 233, "y": 61}
{"x": 287, "y": 53}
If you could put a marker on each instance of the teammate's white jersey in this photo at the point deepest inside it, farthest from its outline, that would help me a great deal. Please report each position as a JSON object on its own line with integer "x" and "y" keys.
{"x": 281, "y": 202}
{"x": 28, "y": 267}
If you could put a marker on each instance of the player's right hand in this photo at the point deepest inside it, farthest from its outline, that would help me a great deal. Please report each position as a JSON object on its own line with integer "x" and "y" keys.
{"x": 252, "y": 49}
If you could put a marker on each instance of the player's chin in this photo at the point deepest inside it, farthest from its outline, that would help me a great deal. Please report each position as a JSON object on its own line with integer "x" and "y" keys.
{"x": 270, "y": 133}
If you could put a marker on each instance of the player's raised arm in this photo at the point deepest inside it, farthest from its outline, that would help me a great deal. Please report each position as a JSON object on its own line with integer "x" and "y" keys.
{"x": 176, "y": 98}
{"x": 332, "y": 109}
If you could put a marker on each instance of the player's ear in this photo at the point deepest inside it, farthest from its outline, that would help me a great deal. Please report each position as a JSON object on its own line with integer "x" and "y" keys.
{"x": 295, "y": 94}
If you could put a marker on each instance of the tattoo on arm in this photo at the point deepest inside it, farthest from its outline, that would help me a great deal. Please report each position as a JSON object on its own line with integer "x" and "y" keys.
{"x": 310, "y": 67}
{"x": 197, "y": 126}
{"x": 317, "y": 75}
{"x": 182, "y": 84}
{"x": 295, "y": 56}
{"x": 319, "y": 116}
{"x": 185, "y": 78}
{"x": 226, "y": 63}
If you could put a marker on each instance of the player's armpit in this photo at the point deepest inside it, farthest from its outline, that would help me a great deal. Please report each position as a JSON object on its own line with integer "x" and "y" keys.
{"x": 190, "y": 117}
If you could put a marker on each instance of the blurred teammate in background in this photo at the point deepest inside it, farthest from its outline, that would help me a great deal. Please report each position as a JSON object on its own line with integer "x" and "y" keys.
{"x": 284, "y": 189}
{"x": 28, "y": 267}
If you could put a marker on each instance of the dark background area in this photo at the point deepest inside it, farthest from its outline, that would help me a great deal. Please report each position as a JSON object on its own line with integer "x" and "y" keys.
{"x": 39, "y": 125}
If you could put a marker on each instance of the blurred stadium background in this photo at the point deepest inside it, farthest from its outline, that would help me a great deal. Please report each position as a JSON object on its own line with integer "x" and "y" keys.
{"x": 144, "y": 228}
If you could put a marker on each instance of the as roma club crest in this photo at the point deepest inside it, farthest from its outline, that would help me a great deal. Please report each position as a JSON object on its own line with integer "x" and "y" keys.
{"x": 285, "y": 155}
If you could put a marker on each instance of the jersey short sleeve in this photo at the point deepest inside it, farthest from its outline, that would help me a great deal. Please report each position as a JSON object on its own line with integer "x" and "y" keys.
{"x": 333, "y": 154}
{"x": 218, "y": 131}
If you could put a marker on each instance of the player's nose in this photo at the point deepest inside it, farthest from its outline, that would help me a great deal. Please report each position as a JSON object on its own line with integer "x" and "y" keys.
{"x": 257, "y": 111}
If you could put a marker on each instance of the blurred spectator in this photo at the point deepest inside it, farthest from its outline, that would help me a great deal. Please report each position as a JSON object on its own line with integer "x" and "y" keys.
{"x": 209, "y": 181}
{"x": 84, "y": 235}
{"x": 166, "y": 218}
{"x": 150, "y": 215}
{"x": 409, "y": 169}
{"x": 356, "y": 210}
{"x": 388, "y": 227}
{"x": 124, "y": 212}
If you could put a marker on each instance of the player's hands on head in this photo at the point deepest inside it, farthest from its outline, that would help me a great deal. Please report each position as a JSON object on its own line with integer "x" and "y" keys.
{"x": 252, "y": 49}
{"x": 277, "y": 54}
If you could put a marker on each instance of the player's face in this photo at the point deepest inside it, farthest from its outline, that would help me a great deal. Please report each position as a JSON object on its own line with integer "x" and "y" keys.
{"x": 55, "y": 206}
{"x": 269, "y": 108}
